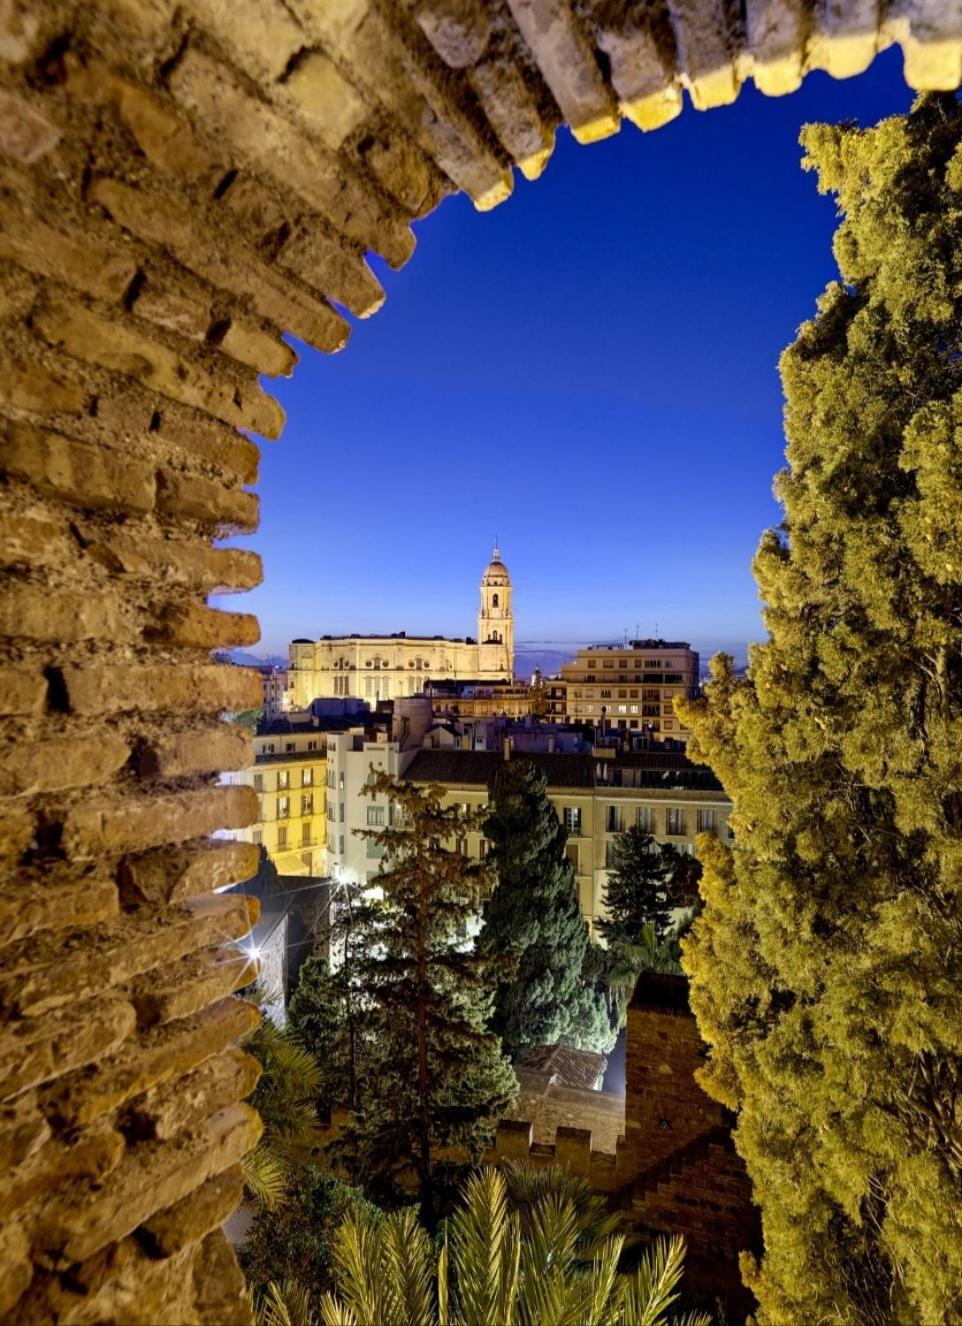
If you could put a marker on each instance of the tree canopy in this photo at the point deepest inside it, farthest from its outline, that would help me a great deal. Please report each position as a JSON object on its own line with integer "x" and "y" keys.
{"x": 826, "y": 968}
{"x": 435, "y": 1076}
{"x": 534, "y": 915}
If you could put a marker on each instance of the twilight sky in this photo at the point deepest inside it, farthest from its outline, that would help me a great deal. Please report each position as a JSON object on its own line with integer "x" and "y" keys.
{"x": 587, "y": 372}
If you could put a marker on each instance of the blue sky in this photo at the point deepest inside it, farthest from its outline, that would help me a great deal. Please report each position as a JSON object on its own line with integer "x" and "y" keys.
{"x": 587, "y": 372}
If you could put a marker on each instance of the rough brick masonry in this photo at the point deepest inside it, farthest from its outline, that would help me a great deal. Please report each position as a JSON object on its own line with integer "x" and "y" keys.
{"x": 181, "y": 184}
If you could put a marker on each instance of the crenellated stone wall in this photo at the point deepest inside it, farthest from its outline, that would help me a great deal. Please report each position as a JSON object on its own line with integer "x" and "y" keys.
{"x": 180, "y": 185}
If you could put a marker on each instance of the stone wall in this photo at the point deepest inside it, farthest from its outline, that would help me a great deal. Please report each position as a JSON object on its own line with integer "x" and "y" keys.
{"x": 180, "y": 184}
{"x": 549, "y": 1105}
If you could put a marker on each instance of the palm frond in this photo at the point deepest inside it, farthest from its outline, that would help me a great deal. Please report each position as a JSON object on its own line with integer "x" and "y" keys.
{"x": 266, "y": 1175}
{"x": 485, "y": 1252}
{"x": 285, "y": 1304}
{"x": 407, "y": 1267}
{"x": 653, "y": 1287}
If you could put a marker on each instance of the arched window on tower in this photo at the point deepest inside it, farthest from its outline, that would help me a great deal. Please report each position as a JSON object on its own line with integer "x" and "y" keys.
{"x": 494, "y": 600}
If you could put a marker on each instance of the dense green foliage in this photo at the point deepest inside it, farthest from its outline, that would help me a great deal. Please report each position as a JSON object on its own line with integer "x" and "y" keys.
{"x": 534, "y": 916}
{"x": 285, "y": 1099}
{"x": 294, "y": 1241}
{"x": 648, "y": 882}
{"x": 497, "y": 1267}
{"x": 320, "y": 1016}
{"x": 826, "y": 968}
{"x": 435, "y": 1076}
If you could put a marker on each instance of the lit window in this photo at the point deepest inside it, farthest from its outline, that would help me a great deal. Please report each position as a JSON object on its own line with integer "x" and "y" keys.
{"x": 675, "y": 822}
{"x": 375, "y": 816}
{"x": 706, "y": 821}
{"x": 572, "y": 819}
{"x": 282, "y": 838}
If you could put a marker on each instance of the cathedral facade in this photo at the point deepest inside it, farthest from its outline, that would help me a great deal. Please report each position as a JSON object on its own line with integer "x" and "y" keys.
{"x": 384, "y": 667}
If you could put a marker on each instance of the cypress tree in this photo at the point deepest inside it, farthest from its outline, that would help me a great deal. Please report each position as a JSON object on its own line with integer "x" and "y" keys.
{"x": 533, "y": 915}
{"x": 319, "y": 1016}
{"x": 826, "y": 967}
{"x": 435, "y": 1075}
{"x": 647, "y": 883}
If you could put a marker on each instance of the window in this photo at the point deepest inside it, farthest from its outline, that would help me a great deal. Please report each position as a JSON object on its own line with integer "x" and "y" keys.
{"x": 652, "y": 662}
{"x": 572, "y": 819}
{"x": 340, "y": 781}
{"x": 622, "y": 662}
{"x": 650, "y": 711}
{"x": 675, "y": 822}
{"x": 340, "y": 845}
{"x": 288, "y": 745}
{"x": 461, "y": 846}
{"x": 622, "y": 695}
{"x": 615, "y": 822}
{"x": 483, "y": 848}
{"x": 573, "y": 853}
{"x": 633, "y": 694}
{"x": 622, "y": 709}
{"x": 283, "y": 780}
{"x": 494, "y": 600}
{"x": 646, "y": 819}
{"x": 312, "y": 745}
{"x": 608, "y": 663}
{"x": 258, "y": 782}
{"x": 269, "y": 750}
{"x": 375, "y": 816}
{"x": 340, "y": 811}
{"x": 283, "y": 807}
{"x": 257, "y": 837}
{"x": 706, "y": 821}
{"x": 307, "y": 777}
{"x": 307, "y": 805}
{"x": 606, "y": 695}
{"x": 282, "y": 838}
{"x": 305, "y": 835}
{"x": 609, "y": 853}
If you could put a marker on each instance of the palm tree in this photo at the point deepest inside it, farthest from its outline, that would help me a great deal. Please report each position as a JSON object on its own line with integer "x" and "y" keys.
{"x": 285, "y": 1098}
{"x": 497, "y": 1267}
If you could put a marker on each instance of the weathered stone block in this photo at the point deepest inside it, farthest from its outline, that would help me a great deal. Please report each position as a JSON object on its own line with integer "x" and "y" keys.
{"x": 23, "y": 1130}
{"x": 197, "y": 627}
{"x": 250, "y": 346}
{"x": 56, "y": 901}
{"x": 85, "y": 475}
{"x": 61, "y": 762}
{"x": 31, "y": 387}
{"x": 174, "y": 754}
{"x": 150, "y": 1177}
{"x": 25, "y": 134}
{"x": 193, "y": 1217}
{"x": 16, "y": 1267}
{"x": 210, "y": 570}
{"x": 164, "y": 1055}
{"x": 174, "y": 873}
{"x": 49, "y": 971}
{"x": 231, "y": 266}
{"x": 104, "y": 689}
{"x": 34, "y": 612}
{"x": 32, "y": 1050}
{"x": 189, "y": 497}
{"x": 187, "y": 986}
{"x": 122, "y": 348}
{"x": 85, "y": 1158}
{"x": 221, "y": 1080}
{"x": 22, "y": 691}
{"x": 128, "y": 824}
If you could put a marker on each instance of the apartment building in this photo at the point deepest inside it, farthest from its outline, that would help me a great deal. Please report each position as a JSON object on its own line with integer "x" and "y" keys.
{"x": 595, "y": 796}
{"x": 630, "y": 687}
{"x": 288, "y": 775}
{"x": 351, "y": 756}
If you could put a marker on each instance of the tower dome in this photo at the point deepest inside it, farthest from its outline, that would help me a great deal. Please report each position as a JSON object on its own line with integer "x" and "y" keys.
{"x": 496, "y": 572}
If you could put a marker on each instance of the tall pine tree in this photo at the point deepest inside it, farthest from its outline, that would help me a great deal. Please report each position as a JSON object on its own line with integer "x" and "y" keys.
{"x": 435, "y": 1075}
{"x": 647, "y": 884}
{"x": 533, "y": 915}
{"x": 826, "y": 968}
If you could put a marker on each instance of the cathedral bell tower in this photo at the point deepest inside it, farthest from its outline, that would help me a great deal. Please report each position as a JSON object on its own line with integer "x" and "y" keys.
{"x": 496, "y": 622}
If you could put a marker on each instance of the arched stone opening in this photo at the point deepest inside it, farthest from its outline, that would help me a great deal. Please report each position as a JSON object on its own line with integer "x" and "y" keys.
{"x": 181, "y": 185}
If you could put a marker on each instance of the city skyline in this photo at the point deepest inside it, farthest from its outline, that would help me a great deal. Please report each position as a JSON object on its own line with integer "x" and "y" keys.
{"x": 614, "y": 312}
